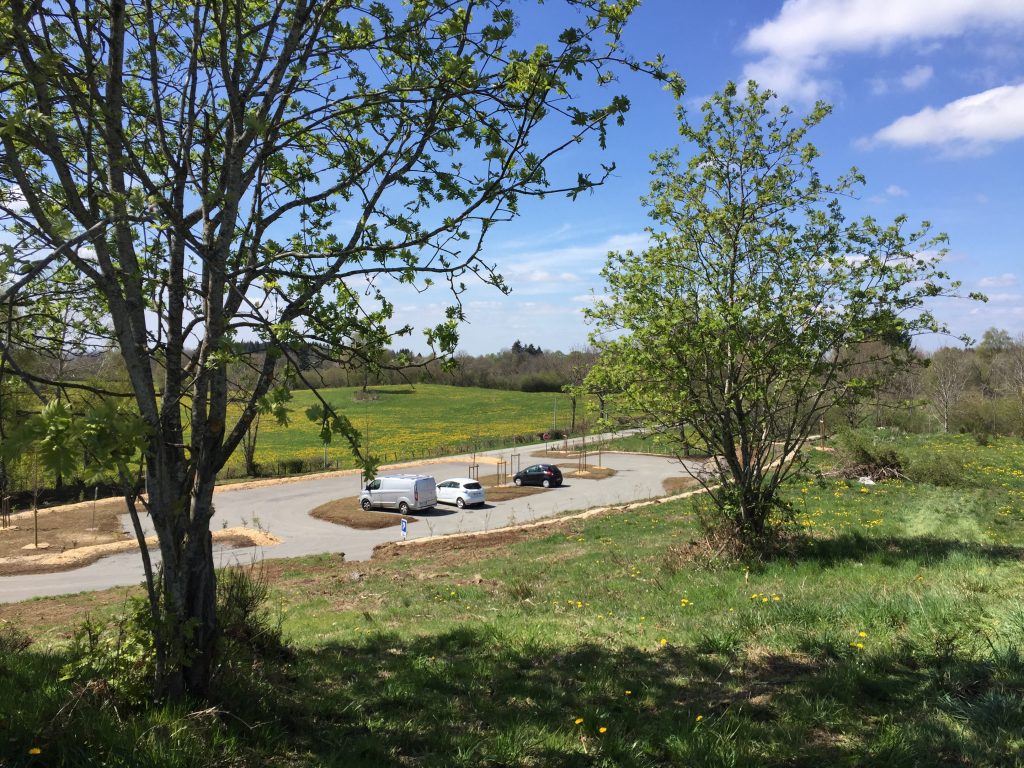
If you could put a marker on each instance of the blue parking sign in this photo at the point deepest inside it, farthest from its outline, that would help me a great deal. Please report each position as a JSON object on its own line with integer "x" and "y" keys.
{"x": 405, "y": 527}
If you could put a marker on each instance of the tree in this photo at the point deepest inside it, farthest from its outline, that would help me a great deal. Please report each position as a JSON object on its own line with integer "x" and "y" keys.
{"x": 949, "y": 373}
{"x": 736, "y": 328}
{"x": 221, "y": 171}
{"x": 1008, "y": 370}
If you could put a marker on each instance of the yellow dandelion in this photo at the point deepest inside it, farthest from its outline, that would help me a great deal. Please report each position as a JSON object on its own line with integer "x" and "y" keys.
{"x": 862, "y": 633}
{"x": 579, "y": 721}
{"x": 602, "y": 729}
{"x": 35, "y": 751}
{"x": 663, "y": 641}
{"x": 699, "y": 718}
{"x": 629, "y": 693}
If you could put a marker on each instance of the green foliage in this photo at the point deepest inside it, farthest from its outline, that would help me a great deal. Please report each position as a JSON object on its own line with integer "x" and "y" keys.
{"x": 12, "y": 642}
{"x": 116, "y": 659}
{"x": 273, "y": 167}
{"x": 111, "y": 435}
{"x": 863, "y": 451}
{"x": 759, "y": 306}
{"x": 247, "y": 627}
{"x": 885, "y": 454}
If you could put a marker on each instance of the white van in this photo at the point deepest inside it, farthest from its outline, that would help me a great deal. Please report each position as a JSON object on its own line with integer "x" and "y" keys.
{"x": 401, "y": 492}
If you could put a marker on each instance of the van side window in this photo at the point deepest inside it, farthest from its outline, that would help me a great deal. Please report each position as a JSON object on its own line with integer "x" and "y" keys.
{"x": 374, "y": 486}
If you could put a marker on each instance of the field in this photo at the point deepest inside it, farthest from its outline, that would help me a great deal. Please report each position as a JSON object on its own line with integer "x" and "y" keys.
{"x": 891, "y": 634}
{"x": 406, "y": 422}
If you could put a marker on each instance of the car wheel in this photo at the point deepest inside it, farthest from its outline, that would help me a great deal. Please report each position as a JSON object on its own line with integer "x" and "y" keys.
{"x": 519, "y": 481}
{"x": 460, "y": 502}
{"x": 403, "y": 508}
{"x": 365, "y": 504}
{"x": 546, "y": 483}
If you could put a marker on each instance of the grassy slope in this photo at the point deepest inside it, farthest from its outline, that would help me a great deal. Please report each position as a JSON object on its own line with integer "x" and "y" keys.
{"x": 413, "y": 421}
{"x": 891, "y": 639}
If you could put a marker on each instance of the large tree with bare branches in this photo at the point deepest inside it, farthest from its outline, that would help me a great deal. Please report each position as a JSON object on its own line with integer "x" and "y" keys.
{"x": 230, "y": 170}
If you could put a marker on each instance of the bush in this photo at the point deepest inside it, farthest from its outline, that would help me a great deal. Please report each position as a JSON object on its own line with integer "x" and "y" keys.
{"x": 242, "y": 598}
{"x": 877, "y": 454}
{"x": 117, "y": 658}
{"x": 292, "y": 466}
{"x": 869, "y": 453}
{"x": 12, "y": 642}
{"x": 541, "y": 382}
{"x": 935, "y": 469}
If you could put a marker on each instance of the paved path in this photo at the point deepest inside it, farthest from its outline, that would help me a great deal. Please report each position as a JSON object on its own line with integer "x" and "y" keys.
{"x": 283, "y": 510}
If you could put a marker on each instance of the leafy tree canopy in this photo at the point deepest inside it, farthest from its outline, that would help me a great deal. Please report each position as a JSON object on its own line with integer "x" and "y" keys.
{"x": 223, "y": 171}
{"x": 759, "y": 304}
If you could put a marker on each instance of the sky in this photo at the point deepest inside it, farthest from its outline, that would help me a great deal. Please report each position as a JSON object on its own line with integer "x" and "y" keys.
{"x": 928, "y": 102}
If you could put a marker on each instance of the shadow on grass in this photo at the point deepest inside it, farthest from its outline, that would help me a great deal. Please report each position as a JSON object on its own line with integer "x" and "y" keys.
{"x": 893, "y": 550}
{"x": 467, "y": 697}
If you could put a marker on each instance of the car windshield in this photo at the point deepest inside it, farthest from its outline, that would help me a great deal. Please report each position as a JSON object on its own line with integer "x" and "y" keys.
{"x": 472, "y": 486}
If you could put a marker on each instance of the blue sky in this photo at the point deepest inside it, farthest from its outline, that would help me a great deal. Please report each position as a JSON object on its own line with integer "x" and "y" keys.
{"x": 928, "y": 102}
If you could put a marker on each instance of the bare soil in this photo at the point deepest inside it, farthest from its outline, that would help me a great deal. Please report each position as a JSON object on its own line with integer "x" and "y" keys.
{"x": 51, "y": 559}
{"x": 347, "y": 512}
{"x": 679, "y": 484}
{"x": 592, "y": 473}
{"x": 74, "y": 535}
{"x": 460, "y": 549}
{"x": 66, "y": 528}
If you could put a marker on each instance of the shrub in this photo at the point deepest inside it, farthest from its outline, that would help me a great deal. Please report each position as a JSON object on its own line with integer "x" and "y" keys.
{"x": 117, "y": 658}
{"x": 870, "y": 453}
{"x": 936, "y": 469}
{"x": 292, "y": 466}
{"x": 12, "y": 642}
{"x": 242, "y": 598}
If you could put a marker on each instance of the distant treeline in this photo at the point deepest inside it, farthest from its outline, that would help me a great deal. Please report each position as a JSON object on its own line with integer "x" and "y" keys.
{"x": 522, "y": 367}
{"x": 977, "y": 390}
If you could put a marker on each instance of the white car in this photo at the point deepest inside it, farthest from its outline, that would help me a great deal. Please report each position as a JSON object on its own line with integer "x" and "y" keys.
{"x": 460, "y": 491}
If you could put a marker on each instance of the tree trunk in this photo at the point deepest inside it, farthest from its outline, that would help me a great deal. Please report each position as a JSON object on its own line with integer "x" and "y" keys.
{"x": 249, "y": 447}
{"x": 181, "y": 514}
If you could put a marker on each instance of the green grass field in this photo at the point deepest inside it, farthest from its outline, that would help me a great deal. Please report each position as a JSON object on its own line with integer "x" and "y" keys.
{"x": 891, "y": 636}
{"x": 406, "y": 422}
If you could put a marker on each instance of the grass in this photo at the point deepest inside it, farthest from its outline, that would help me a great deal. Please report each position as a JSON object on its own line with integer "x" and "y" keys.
{"x": 892, "y": 636}
{"x": 642, "y": 443}
{"x": 405, "y": 422}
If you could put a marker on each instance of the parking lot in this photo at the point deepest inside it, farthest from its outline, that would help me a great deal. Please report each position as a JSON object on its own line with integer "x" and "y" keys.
{"x": 282, "y": 509}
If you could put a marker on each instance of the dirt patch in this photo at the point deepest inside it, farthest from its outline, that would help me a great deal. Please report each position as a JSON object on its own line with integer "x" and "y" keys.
{"x": 459, "y": 549}
{"x": 70, "y": 528}
{"x": 347, "y": 512}
{"x": 50, "y": 561}
{"x": 673, "y": 485}
{"x": 506, "y": 492}
{"x": 592, "y": 473}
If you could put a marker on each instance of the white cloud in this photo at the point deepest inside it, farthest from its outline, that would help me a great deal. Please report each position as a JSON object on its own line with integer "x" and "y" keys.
{"x": 542, "y": 276}
{"x": 969, "y": 125}
{"x": 910, "y": 80}
{"x": 574, "y": 260}
{"x": 796, "y": 45}
{"x": 894, "y": 190}
{"x": 917, "y": 77}
{"x": 1004, "y": 298}
{"x": 998, "y": 281}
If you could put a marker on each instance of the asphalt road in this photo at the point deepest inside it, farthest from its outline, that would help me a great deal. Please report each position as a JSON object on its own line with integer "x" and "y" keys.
{"x": 283, "y": 510}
